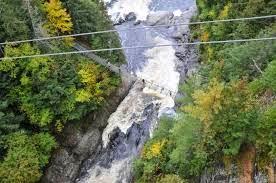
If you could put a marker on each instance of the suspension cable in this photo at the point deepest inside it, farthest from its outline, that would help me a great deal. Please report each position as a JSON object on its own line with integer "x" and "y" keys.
{"x": 137, "y": 47}
{"x": 137, "y": 28}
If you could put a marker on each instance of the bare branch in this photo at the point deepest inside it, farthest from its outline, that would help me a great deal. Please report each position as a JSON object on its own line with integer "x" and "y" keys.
{"x": 257, "y": 67}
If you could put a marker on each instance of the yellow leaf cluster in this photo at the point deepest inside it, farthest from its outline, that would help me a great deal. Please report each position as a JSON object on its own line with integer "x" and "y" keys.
{"x": 69, "y": 41}
{"x": 206, "y": 103}
{"x": 58, "y": 19}
{"x": 225, "y": 12}
{"x": 25, "y": 80}
{"x": 88, "y": 74}
{"x": 154, "y": 150}
{"x": 59, "y": 126}
{"x": 95, "y": 84}
{"x": 83, "y": 95}
{"x": 7, "y": 65}
{"x": 210, "y": 52}
{"x": 95, "y": 81}
{"x": 204, "y": 36}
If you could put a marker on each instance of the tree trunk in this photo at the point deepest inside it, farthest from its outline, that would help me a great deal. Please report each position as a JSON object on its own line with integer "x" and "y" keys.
{"x": 271, "y": 174}
{"x": 246, "y": 162}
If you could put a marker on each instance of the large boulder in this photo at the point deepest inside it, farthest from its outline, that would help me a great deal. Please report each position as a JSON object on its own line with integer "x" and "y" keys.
{"x": 159, "y": 18}
{"x": 64, "y": 168}
{"x": 130, "y": 17}
{"x": 120, "y": 20}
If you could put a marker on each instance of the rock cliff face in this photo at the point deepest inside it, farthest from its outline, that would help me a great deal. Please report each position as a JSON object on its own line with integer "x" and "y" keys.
{"x": 220, "y": 175}
{"x": 80, "y": 140}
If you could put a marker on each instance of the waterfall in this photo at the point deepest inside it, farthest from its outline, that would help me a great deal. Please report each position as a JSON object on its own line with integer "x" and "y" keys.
{"x": 136, "y": 117}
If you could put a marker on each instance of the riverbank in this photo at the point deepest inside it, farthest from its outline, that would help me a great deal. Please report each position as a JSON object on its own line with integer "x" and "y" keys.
{"x": 81, "y": 139}
{"x": 224, "y": 127}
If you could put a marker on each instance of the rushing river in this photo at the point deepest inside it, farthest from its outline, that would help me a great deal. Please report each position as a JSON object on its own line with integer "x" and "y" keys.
{"x": 135, "y": 118}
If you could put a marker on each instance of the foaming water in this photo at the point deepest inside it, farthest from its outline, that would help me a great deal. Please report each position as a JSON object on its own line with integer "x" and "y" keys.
{"x": 160, "y": 65}
{"x": 108, "y": 175}
{"x": 160, "y": 70}
{"x": 136, "y": 117}
{"x": 130, "y": 110}
{"x": 122, "y": 8}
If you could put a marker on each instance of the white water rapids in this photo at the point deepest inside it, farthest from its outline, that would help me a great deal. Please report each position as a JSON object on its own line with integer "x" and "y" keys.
{"x": 143, "y": 105}
{"x": 122, "y": 8}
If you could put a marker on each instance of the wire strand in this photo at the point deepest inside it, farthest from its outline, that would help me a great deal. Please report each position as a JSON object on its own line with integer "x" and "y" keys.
{"x": 137, "y": 28}
{"x": 137, "y": 47}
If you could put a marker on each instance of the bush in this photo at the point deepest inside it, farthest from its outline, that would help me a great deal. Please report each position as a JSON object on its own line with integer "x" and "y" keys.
{"x": 171, "y": 178}
{"x": 14, "y": 21}
{"x": 26, "y": 155}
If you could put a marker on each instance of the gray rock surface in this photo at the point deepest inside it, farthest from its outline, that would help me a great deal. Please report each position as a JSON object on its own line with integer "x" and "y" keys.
{"x": 130, "y": 17}
{"x": 159, "y": 18}
{"x": 187, "y": 54}
{"x": 80, "y": 140}
{"x": 221, "y": 175}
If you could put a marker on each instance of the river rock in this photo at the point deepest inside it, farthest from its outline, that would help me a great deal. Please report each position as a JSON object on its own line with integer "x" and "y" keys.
{"x": 88, "y": 142}
{"x": 63, "y": 169}
{"x": 130, "y": 17}
{"x": 119, "y": 21}
{"x": 159, "y": 18}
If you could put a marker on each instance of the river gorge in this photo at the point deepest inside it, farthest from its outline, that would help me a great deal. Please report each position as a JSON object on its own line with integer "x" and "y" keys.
{"x": 135, "y": 118}
{"x": 111, "y": 151}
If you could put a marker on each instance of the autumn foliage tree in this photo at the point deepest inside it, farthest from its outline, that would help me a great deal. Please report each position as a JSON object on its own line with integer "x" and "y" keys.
{"x": 226, "y": 118}
{"x": 43, "y": 94}
{"x": 58, "y": 19}
{"x": 71, "y": 88}
{"x": 40, "y": 95}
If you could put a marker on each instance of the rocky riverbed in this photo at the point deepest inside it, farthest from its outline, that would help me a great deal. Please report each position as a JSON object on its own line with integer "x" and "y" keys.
{"x": 102, "y": 147}
{"x": 136, "y": 117}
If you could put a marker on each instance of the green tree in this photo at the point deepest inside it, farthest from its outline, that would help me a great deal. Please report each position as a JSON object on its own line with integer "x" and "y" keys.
{"x": 90, "y": 16}
{"x": 227, "y": 113}
{"x": 267, "y": 80}
{"x": 14, "y": 21}
{"x": 171, "y": 178}
{"x": 25, "y": 157}
{"x": 53, "y": 92}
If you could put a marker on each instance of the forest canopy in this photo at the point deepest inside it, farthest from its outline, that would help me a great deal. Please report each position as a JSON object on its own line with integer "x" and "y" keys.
{"x": 40, "y": 95}
{"x": 227, "y": 116}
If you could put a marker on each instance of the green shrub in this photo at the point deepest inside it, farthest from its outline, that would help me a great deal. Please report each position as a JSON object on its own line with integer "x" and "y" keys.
{"x": 26, "y": 156}
{"x": 171, "y": 178}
